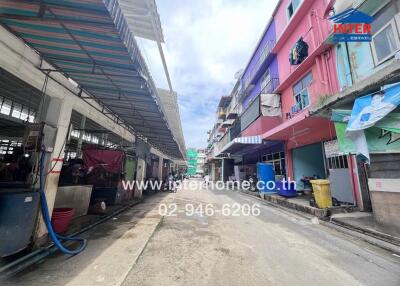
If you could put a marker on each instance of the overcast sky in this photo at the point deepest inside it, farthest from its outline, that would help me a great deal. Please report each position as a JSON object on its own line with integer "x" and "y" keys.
{"x": 207, "y": 42}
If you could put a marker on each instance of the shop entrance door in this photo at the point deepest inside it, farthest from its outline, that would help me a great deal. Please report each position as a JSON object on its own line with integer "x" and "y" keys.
{"x": 308, "y": 161}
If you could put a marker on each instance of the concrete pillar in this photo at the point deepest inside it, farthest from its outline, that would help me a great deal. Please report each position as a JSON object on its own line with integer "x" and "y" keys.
{"x": 289, "y": 162}
{"x": 227, "y": 167}
{"x": 80, "y": 140}
{"x": 222, "y": 170}
{"x": 160, "y": 168}
{"x": 140, "y": 175}
{"x": 57, "y": 114}
{"x": 213, "y": 172}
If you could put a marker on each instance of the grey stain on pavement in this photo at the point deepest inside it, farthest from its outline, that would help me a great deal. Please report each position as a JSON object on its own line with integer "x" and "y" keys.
{"x": 223, "y": 250}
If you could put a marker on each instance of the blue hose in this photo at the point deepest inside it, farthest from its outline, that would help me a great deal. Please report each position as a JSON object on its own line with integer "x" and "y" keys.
{"x": 45, "y": 211}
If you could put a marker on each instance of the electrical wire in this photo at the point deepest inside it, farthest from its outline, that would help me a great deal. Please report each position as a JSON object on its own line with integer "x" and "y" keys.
{"x": 38, "y": 116}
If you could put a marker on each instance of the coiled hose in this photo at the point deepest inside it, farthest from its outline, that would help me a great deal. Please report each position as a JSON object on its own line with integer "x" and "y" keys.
{"x": 45, "y": 211}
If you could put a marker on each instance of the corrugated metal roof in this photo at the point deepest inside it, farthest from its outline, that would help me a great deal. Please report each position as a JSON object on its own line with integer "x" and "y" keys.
{"x": 143, "y": 19}
{"x": 92, "y": 43}
{"x": 170, "y": 102}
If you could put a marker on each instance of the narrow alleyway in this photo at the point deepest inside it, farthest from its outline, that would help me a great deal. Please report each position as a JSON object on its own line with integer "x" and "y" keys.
{"x": 275, "y": 248}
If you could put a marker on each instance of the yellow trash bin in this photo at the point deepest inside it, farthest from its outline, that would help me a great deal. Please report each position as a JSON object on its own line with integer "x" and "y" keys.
{"x": 322, "y": 193}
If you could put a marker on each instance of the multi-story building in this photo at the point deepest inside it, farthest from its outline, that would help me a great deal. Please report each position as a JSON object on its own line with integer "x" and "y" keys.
{"x": 201, "y": 161}
{"x": 369, "y": 76}
{"x": 297, "y": 93}
{"x": 275, "y": 93}
{"x": 217, "y": 139}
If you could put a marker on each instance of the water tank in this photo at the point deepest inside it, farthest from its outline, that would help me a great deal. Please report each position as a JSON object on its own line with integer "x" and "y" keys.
{"x": 266, "y": 174}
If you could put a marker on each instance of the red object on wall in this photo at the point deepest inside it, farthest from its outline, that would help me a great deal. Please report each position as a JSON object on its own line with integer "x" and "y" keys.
{"x": 110, "y": 160}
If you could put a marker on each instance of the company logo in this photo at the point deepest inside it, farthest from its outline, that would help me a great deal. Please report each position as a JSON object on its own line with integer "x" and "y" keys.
{"x": 352, "y": 26}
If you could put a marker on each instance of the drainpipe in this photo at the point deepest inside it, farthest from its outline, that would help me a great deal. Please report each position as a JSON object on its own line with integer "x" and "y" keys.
{"x": 311, "y": 31}
{"x": 320, "y": 72}
{"x": 325, "y": 69}
{"x": 327, "y": 56}
{"x": 317, "y": 19}
{"x": 289, "y": 161}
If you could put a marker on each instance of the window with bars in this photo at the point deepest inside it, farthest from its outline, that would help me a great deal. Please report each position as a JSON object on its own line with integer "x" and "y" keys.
{"x": 385, "y": 31}
{"x": 16, "y": 110}
{"x": 86, "y": 137}
{"x": 7, "y": 146}
{"x": 337, "y": 162}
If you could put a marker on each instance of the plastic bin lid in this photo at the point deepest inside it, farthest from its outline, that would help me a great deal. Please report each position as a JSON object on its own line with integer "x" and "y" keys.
{"x": 320, "y": 182}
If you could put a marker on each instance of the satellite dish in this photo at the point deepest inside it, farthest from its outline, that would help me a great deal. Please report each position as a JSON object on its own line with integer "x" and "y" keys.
{"x": 238, "y": 74}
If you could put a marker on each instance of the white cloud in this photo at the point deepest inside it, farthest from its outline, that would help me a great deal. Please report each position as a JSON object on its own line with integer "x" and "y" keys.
{"x": 206, "y": 43}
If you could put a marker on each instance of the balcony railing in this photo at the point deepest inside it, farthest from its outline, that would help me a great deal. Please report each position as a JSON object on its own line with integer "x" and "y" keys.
{"x": 264, "y": 55}
{"x": 251, "y": 113}
{"x": 270, "y": 86}
{"x": 233, "y": 111}
{"x": 234, "y": 131}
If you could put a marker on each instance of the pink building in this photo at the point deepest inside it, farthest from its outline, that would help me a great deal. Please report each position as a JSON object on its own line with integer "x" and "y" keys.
{"x": 304, "y": 83}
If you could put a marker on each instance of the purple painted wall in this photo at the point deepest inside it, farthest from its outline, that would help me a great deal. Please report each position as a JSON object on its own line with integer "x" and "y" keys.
{"x": 273, "y": 71}
{"x": 269, "y": 35}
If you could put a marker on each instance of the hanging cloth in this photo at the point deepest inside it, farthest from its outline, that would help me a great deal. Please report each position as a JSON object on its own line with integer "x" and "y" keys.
{"x": 299, "y": 52}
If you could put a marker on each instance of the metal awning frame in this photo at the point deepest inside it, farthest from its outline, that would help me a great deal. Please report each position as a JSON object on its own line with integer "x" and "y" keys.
{"x": 98, "y": 69}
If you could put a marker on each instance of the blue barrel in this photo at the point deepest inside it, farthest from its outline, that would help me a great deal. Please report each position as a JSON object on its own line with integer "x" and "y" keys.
{"x": 266, "y": 174}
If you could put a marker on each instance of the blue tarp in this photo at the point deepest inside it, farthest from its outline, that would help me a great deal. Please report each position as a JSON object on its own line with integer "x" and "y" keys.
{"x": 369, "y": 109}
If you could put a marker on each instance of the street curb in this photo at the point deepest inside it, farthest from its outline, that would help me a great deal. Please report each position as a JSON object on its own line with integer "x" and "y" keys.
{"x": 158, "y": 225}
{"x": 277, "y": 206}
{"x": 320, "y": 213}
{"x": 382, "y": 236}
{"x": 364, "y": 236}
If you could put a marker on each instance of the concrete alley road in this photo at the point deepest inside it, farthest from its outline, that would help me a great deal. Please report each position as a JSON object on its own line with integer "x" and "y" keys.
{"x": 276, "y": 247}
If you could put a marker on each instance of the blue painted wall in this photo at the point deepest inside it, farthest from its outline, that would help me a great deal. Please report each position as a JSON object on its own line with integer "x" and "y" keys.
{"x": 308, "y": 161}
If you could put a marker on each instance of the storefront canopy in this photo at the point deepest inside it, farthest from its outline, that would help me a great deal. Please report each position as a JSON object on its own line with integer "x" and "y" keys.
{"x": 248, "y": 145}
{"x": 241, "y": 145}
{"x": 92, "y": 42}
{"x": 302, "y": 130}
